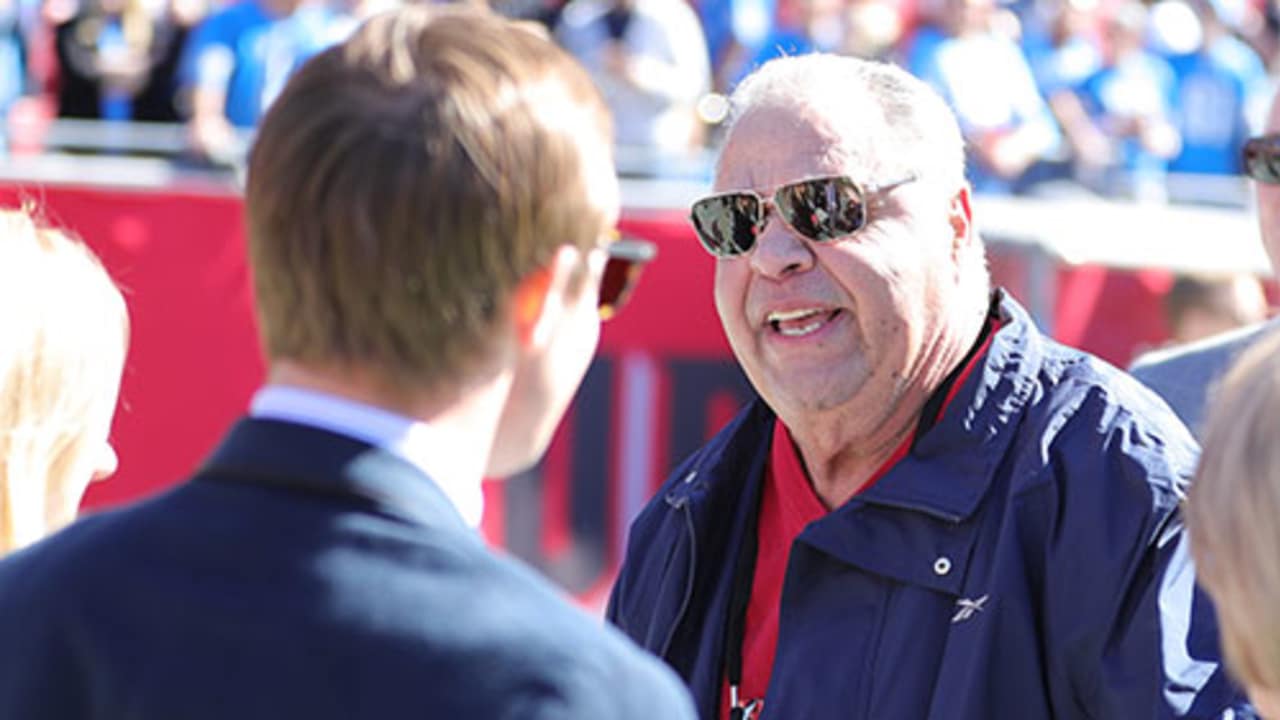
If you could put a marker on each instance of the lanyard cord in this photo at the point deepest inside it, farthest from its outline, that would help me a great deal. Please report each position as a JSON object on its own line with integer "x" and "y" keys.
{"x": 743, "y": 576}
{"x": 745, "y": 570}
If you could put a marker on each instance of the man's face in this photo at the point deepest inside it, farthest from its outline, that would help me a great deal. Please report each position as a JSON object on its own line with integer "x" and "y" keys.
{"x": 850, "y": 324}
{"x": 547, "y": 376}
{"x": 1269, "y": 201}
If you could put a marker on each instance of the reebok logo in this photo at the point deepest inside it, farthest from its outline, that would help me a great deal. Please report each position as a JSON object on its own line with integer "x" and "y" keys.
{"x": 966, "y": 608}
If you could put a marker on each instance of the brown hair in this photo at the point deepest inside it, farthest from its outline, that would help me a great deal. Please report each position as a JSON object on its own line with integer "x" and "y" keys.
{"x": 1231, "y": 513}
{"x": 404, "y": 182}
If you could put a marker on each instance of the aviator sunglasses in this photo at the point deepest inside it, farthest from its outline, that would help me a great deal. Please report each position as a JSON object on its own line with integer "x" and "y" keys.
{"x": 1261, "y": 157}
{"x": 821, "y": 209}
{"x": 627, "y": 258}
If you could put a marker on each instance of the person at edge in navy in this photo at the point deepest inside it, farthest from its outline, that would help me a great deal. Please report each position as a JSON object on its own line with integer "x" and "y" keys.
{"x": 931, "y": 510}
{"x": 430, "y": 209}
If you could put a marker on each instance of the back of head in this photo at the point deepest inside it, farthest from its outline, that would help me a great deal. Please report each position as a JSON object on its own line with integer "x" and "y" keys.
{"x": 1231, "y": 513}
{"x": 893, "y": 121}
{"x": 64, "y": 341}
{"x": 405, "y": 181}
{"x": 1200, "y": 305}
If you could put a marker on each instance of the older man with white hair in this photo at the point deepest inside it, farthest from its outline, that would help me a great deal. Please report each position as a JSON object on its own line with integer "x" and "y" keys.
{"x": 932, "y": 510}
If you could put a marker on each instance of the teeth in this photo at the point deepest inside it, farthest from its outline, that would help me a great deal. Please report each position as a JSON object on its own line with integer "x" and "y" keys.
{"x": 794, "y": 323}
{"x": 777, "y": 316}
{"x": 802, "y": 330}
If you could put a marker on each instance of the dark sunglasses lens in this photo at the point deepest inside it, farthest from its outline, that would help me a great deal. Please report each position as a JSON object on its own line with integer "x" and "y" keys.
{"x": 627, "y": 259}
{"x": 1262, "y": 159}
{"x": 822, "y": 209}
{"x": 726, "y": 224}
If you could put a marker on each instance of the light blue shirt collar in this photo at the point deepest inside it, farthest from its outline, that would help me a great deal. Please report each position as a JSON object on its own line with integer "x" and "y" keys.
{"x": 412, "y": 440}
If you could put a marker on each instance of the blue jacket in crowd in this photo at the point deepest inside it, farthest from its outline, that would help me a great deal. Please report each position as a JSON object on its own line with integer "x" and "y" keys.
{"x": 1026, "y": 559}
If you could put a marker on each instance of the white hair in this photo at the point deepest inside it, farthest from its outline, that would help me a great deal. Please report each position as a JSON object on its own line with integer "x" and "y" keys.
{"x": 888, "y": 117}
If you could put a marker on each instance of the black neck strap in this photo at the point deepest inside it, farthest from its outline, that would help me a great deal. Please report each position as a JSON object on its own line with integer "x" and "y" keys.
{"x": 745, "y": 569}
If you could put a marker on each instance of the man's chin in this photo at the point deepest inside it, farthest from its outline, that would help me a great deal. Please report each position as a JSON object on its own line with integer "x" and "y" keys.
{"x": 809, "y": 399}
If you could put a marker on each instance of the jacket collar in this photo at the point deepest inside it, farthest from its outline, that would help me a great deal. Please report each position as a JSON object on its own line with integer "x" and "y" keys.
{"x": 966, "y": 443}
{"x": 971, "y": 437}
{"x": 306, "y": 459}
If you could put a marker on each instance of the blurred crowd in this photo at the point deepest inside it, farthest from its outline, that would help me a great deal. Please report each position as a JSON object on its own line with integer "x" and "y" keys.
{"x": 1113, "y": 95}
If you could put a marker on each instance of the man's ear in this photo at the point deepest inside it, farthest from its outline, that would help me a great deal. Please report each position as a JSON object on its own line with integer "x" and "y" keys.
{"x": 960, "y": 214}
{"x": 540, "y": 297}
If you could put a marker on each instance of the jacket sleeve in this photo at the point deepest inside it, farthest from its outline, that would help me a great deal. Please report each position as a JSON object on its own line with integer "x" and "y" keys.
{"x": 1130, "y": 634}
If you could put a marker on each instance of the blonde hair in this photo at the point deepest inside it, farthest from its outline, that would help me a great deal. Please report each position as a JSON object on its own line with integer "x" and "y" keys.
{"x": 63, "y": 339}
{"x": 1231, "y": 513}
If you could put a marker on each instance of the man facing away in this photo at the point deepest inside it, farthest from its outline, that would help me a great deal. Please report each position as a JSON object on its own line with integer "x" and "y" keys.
{"x": 932, "y": 510}
{"x": 1186, "y": 376}
{"x": 429, "y": 206}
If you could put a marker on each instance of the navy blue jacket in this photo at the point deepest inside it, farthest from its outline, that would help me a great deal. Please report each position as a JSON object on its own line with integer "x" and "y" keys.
{"x": 302, "y": 574}
{"x": 1025, "y": 560}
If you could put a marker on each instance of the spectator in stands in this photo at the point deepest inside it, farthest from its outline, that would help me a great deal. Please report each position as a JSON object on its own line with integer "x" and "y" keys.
{"x": 1222, "y": 91}
{"x": 544, "y": 12}
{"x": 117, "y": 60}
{"x": 429, "y": 210}
{"x": 1007, "y": 125}
{"x": 1231, "y": 516}
{"x": 238, "y": 59}
{"x": 65, "y": 336}
{"x": 649, "y": 59}
{"x": 864, "y": 28}
{"x": 1060, "y": 41}
{"x": 1119, "y": 120}
{"x": 16, "y": 79}
{"x": 734, "y": 31}
{"x": 932, "y": 509}
{"x": 1185, "y": 377}
{"x": 1201, "y": 305}
{"x": 875, "y": 29}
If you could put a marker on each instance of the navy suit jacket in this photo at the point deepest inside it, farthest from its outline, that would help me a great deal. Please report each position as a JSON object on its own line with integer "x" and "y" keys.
{"x": 303, "y": 574}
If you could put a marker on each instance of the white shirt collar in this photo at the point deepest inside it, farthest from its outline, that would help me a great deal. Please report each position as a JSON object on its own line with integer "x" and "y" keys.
{"x": 412, "y": 440}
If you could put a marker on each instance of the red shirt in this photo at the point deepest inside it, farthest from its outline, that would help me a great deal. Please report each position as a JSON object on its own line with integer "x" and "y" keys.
{"x": 788, "y": 504}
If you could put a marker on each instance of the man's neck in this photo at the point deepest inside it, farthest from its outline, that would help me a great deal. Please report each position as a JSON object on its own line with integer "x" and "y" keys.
{"x": 463, "y": 421}
{"x": 842, "y": 452}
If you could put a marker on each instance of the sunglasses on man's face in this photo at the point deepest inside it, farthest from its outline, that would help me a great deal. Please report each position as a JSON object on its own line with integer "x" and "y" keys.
{"x": 627, "y": 258}
{"x": 821, "y": 209}
{"x": 1261, "y": 157}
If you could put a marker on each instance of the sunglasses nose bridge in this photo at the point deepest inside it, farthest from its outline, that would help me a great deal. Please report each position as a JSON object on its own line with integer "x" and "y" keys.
{"x": 765, "y": 208}
{"x": 782, "y": 249}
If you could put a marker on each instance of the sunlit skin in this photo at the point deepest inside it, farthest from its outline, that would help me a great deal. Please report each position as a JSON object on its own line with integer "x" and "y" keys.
{"x": 888, "y": 323}
{"x": 1269, "y": 200}
{"x": 556, "y": 353}
{"x": 1266, "y": 702}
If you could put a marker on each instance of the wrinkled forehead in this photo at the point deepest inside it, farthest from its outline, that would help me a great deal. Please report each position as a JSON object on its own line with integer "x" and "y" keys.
{"x": 773, "y": 145}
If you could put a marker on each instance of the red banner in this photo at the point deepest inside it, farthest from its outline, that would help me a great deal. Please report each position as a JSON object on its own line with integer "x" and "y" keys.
{"x": 663, "y": 381}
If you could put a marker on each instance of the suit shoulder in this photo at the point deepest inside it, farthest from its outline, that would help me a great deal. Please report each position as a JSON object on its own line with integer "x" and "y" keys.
{"x": 548, "y": 648}
{"x": 1202, "y": 360}
{"x": 62, "y": 558}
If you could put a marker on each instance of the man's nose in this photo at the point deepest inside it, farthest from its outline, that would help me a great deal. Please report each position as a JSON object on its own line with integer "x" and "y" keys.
{"x": 780, "y": 250}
